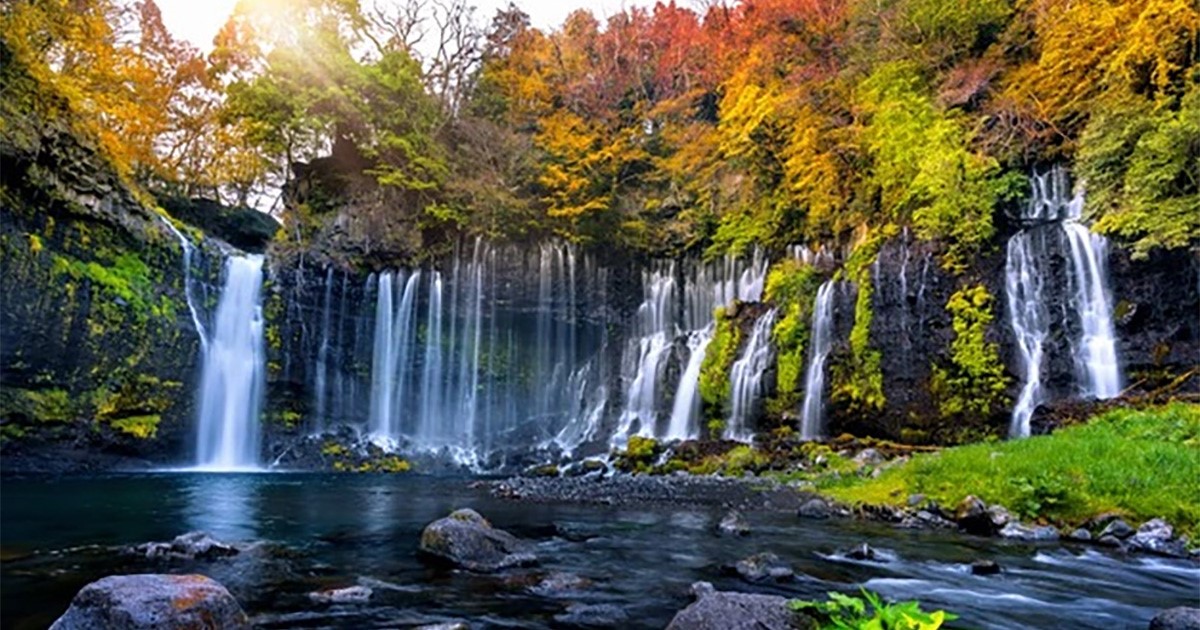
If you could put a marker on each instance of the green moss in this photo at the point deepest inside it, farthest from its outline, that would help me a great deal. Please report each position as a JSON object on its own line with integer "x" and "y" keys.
{"x": 141, "y": 427}
{"x": 288, "y": 418}
{"x": 51, "y": 405}
{"x": 1141, "y": 463}
{"x": 974, "y": 383}
{"x": 35, "y": 244}
{"x": 11, "y": 431}
{"x": 715, "y": 388}
{"x": 857, "y": 384}
{"x": 639, "y": 455}
{"x": 791, "y": 287}
{"x": 333, "y": 449}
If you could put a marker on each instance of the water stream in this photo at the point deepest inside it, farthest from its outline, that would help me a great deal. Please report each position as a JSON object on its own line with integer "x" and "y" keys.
{"x": 340, "y": 530}
{"x": 812, "y": 412}
{"x": 233, "y": 373}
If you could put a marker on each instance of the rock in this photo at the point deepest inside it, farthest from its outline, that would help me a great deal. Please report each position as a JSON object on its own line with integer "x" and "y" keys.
{"x": 972, "y": 517}
{"x": 468, "y": 540}
{"x": 1108, "y": 540}
{"x": 868, "y": 457}
{"x": 861, "y": 552}
{"x": 161, "y": 602}
{"x": 733, "y": 525}
{"x": 347, "y": 595}
{"x": 544, "y": 470}
{"x": 1156, "y": 536}
{"x": 1118, "y": 528}
{"x": 915, "y": 499}
{"x": 1040, "y": 533}
{"x": 815, "y": 508}
{"x": 559, "y": 584}
{"x": 999, "y": 516}
{"x": 1178, "y": 618}
{"x": 1081, "y": 535}
{"x": 985, "y": 567}
{"x": 716, "y": 610}
{"x": 594, "y": 616}
{"x": 189, "y": 546}
{"x": 762, "y": 566}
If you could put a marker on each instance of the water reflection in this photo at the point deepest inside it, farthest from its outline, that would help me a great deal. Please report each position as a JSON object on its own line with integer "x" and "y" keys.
{"x": 224, "y": 505}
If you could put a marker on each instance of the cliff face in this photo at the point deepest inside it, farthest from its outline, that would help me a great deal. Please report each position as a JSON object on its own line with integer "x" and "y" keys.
{"x": 97, "y": 349}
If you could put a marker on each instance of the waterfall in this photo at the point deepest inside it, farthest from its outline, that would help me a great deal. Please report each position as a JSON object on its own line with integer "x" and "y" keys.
{"x": 488, "y": 353}
{"x": 319, "y": 411}
{"x": 1051, "y": 228}
{"x": 1024, "y": 280}
{"x": 746, "y": 378}
{"x": 1096, "y": 353}
{"x": 814, "y": 378}
{"x": 232, "y": 381}
{"x": 678, "y": 300}
{"x": 687, "y": 403}
{"x": 188, "y": 252}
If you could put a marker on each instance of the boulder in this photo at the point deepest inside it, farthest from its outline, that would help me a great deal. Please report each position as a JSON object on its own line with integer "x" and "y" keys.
{"x": 1178, "y": 618}
{"x": 1117, "y": 528}
{"x": 985, "y": 567}
{"x": 189, "y": 546}
{"x": 348, "y": 595}
{"x": 466, "y": 539}
{"x": 763, "y": 566}
{"x": 733, "y": 525}
{"x": 999, "y": 516}
{"x": 1081, "y": 535}
{"x": 915, "y": 500}
{"x": 815, "y": 508}
{"x": 861, "y": 552}
{"x": 161, "y": 602}
{"x": 717, "y": 610}
{"x": 1156, "y": 536}
{"x": 972, "y": 517}
{"x": 1039, "y": 533}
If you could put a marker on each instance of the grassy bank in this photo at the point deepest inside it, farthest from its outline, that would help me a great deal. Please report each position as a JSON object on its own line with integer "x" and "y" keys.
{"x": 1141, "y": 463}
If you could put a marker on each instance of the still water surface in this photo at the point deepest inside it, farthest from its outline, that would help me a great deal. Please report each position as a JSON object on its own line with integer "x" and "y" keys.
{"x": 57, "y": 534}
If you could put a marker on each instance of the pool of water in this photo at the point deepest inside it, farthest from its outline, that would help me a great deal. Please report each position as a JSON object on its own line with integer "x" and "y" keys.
{"x": 57, "y": 534}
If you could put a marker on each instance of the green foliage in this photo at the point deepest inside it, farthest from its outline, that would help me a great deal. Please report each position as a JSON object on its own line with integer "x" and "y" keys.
{"x": 858, "y": 381}
{"x": 1141, "y": 463}
{"x": 791, "y": 287}
{"x": 51, "y": 405}
{"x": 140, "y": 427}
{"x": 715, "y": 388}
{"x": 871, "y": 612}
{"x": 1142, "y": 168}
{"x": 639, "y": 455}
{"x": 127, "y": 278}
{"x": 975, "y": 383}
{"x": 925, "y": 169}
{"x": 1048, "y": 491}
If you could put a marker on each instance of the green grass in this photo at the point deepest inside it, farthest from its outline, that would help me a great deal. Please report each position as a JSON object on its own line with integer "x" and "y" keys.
{"x": 1141, "y": 463}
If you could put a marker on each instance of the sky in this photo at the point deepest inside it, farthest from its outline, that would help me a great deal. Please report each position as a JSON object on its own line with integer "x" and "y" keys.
{"x": 199, "y": 20}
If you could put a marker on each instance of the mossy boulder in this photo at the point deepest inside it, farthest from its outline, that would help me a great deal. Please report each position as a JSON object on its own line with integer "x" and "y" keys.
{"x": 161, "y": 602}
{"x": 467, "y": 540}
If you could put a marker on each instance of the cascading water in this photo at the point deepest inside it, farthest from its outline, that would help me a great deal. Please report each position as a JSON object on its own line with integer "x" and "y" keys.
{"x": 1051, "y": 223}
{"x": 188, "y": 254}
{"x": 232, "y": 379}
{"x": 465, "y": 362}
{"x": 687, "y": 403}
{"x": 1024, "y": 280}
{"x": 746, "y": 378}
{"x": 814, "y": 379}
{"x": 677, "y": 306}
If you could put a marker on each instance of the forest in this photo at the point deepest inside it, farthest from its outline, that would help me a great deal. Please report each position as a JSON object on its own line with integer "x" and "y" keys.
{"x": 663, "y": 129}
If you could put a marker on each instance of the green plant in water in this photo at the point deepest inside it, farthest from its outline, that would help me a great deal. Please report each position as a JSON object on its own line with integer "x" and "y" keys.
{"x": 870, "y": 612}
{"x": 1045, "y": 492}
